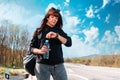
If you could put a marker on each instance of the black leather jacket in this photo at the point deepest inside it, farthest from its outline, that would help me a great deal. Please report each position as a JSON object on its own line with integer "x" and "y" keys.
{"x": 56, "y": 53}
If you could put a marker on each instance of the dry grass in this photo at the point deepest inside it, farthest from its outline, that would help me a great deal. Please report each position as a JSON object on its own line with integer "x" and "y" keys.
{"x": 105, "y": 60}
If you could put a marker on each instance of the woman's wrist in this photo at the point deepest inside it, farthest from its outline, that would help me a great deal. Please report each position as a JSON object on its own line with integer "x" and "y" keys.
{"x": 57, "y": 35}
{"x": 35, "y": 50}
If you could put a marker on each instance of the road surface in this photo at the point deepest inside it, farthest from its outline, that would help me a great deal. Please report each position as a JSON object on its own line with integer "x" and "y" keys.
{"x": 83, "y": 72}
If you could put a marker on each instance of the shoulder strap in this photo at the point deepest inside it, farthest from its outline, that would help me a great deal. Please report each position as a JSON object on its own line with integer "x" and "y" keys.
{"x": 40, "y": 35}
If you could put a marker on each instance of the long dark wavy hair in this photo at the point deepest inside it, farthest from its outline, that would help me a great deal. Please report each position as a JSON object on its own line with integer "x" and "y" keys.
{"x": 51, "y": 11}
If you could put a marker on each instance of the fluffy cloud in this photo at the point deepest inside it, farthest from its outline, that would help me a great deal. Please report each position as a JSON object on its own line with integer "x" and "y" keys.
{"x": 67, "y": 3}
{"x": 109, "y": 41}
{"x": 91, "y": 34}
{"x": 71, "y": 23}
{"x": 107, "y": 18}
{"x": 110, "y": 37}
{"x": 98, "y": 16}
{"x": 13, "y": 13}
{"x": 117, "y": 30}
{"x": 19, "y": 15}
{"x": 105, "y": 2}
{"x": 79, "y": 48}
{"x": 106, "y": 45}
{"x": 90, "y": 12}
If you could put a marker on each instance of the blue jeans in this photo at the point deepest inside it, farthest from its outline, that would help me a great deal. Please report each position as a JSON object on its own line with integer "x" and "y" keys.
{"x": 43, "y": 71}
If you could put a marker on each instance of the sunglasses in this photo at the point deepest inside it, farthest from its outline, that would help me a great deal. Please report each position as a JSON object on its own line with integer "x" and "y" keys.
{"x": 57, "y": 10}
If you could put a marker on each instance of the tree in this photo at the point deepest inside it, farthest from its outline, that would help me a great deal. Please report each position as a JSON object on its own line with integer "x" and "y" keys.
{"x": 14, "y": 43}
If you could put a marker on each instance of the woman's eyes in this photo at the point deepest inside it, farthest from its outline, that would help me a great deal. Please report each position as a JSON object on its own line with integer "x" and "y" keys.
{"x": 54, "y": 17}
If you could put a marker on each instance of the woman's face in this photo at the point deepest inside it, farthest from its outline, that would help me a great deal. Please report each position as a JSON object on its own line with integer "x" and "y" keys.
{"x": 52, "y": 20}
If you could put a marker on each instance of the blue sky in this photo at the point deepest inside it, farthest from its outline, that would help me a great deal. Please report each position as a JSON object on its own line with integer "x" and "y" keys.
{"x": 94, "y": 25}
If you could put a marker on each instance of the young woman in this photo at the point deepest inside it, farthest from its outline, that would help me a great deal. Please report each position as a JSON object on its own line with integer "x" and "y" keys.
{"x": 50, "y": 29}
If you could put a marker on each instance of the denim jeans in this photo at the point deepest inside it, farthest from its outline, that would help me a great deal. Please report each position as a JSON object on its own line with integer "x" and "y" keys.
{"x": 43, "y": 72}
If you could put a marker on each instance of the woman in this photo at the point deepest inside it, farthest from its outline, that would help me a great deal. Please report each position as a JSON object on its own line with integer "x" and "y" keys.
{"x": 51, "y": 29}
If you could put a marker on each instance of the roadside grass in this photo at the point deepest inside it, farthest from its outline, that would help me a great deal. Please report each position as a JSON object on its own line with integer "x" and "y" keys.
{"x": 104, "y": 60}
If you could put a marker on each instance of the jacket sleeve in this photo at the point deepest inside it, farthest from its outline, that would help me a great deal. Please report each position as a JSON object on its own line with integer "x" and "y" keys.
{"x": 34, "y": 44}
{"x": 69, "y": 41}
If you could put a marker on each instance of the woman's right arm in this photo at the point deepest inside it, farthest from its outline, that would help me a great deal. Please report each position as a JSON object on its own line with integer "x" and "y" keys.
{"x": 43, "y": 50}
{"x": 34, "y": 47}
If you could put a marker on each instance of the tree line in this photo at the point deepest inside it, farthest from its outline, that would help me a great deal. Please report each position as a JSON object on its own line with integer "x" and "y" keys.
{"x": 14, "y": 42}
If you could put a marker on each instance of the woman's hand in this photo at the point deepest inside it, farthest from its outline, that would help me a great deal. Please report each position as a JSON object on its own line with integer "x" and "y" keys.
{"x": 56, "y": 35}
{"x": 51, "y": 35}
{"x": 43, "y": 50}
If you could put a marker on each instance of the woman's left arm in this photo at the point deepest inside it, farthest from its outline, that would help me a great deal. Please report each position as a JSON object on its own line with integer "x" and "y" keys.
{"x": 64, "y": 39}
{"x": 61, "y": 36}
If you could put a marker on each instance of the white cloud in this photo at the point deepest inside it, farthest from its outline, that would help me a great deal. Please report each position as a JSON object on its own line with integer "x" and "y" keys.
{"x": 70, "y": 23}
{"x": 13, "y": 13}
{"x": 91, "y": 34}
{"x": 109, "y": 37}
{"x": 66, "y": 3}
{"x": 105, "y": 2}
{"x": 109, "y": 41}
{"x": 117, "y": 29}
{"x": 67, "y": 13}
{"x": 19, "y": 15}
{"x": 79, "y": 48}
{"x": 107, "y": 18}
{"x": 98, "y": 16}
{"x": 91, "y": 23}
{"x": 90, "y": 12}
{"x": 34, "y": 20}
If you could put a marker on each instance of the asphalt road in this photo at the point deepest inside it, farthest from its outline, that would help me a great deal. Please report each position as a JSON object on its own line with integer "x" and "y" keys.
{"x": 83, "y": 72}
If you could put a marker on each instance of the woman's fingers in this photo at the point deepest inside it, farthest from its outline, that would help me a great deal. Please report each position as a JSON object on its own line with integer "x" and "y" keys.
{"x": 45, "y": 48}
{"x": 51, "y": 35}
